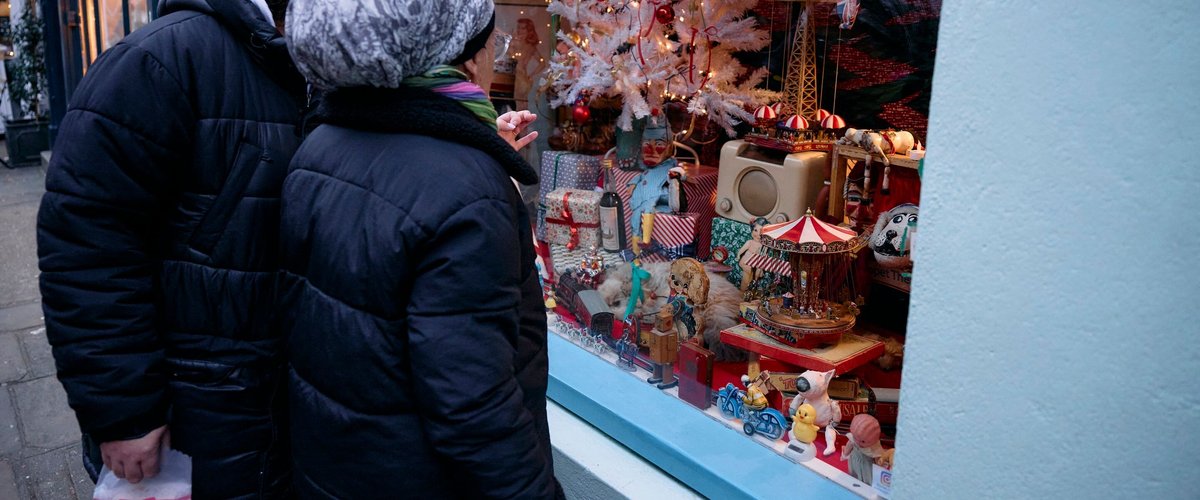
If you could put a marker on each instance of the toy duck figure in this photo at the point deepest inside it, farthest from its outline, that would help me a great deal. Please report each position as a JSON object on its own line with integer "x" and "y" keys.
{"x": 803, "y": 427}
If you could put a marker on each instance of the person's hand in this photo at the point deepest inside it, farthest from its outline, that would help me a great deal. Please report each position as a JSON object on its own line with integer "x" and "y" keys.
{"x": 136, "y": 459}
{"x": 510, "y": 125}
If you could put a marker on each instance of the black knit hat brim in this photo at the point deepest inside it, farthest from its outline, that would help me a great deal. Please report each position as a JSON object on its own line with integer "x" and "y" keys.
{"x": 476, "y": 43}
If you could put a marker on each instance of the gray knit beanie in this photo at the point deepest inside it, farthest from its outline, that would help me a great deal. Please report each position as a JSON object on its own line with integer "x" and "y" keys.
{"x": 379, "y": 43}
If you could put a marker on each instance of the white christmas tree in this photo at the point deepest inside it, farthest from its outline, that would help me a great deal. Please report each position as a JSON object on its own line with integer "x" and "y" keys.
{"x": 651, "y": 51}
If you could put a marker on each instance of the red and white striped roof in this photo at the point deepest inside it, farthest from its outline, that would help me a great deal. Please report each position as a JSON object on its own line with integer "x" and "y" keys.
{"x": 765, "y": 113}
{"x": 833, "y": 121}
{"x": 822, "y": 115}
{"x": 807, "y": 229}
{"x": 796, "y": 122}
{"x": 778, "y": 107}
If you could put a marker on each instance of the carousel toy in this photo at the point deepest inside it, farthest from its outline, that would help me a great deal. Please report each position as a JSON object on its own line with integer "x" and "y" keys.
{"x": 820, "y": 256}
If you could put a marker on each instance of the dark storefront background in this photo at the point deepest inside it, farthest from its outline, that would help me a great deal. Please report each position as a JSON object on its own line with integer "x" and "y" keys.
{"x": 76, "y": 32}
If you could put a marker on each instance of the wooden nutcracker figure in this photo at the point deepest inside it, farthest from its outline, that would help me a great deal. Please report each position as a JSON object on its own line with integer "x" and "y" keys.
{"x": 664, "y": 350}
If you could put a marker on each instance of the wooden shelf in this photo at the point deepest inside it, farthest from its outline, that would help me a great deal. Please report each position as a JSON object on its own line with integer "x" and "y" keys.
{"x": 858, "y": 153}
{"x": 839, "y": 165}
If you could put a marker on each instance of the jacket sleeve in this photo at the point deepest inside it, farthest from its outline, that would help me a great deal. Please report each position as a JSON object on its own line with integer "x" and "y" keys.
{"x": 108, "y": 187}
{"x": 463, "y": 329}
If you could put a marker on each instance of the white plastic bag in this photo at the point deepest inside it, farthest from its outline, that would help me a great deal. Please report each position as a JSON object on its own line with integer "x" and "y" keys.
{"x": 173, "y": 482}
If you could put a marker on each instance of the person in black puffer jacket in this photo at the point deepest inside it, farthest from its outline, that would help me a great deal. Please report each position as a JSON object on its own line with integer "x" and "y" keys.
{"x": 412, "y": 310}
{"x": 158, "y": 246}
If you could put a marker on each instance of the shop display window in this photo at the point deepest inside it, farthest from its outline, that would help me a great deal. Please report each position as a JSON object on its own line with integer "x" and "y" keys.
{"x": 733, "y": 305}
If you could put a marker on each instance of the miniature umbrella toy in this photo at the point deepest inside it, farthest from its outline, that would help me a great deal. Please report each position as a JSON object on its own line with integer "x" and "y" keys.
{"x": 777, "y": 108}
{"x": 796, "y": 122}
{"x": 833, "y": 122}
{"x": 822, "y": 115}
{"x": 765, "y": 113}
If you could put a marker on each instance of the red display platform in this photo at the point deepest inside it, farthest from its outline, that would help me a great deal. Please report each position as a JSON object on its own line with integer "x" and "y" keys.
{"x": 853, "y": 351}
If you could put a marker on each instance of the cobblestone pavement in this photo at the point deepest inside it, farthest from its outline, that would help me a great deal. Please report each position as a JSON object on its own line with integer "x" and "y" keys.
{"x": 39, "y": 439}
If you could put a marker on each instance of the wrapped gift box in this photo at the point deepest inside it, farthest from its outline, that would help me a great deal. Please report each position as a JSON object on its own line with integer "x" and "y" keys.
{"x": 573, "y": 218}
{"x": 673, "y": 236}
{"x": 564, "y": 169}
{"x": 695, "y": 374}
{"x": 700, "y": 190}
{"x": 729, "y": 235}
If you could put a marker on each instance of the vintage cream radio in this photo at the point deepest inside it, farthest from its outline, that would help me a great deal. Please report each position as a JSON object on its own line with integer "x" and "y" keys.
{"x": 760, "y": 182}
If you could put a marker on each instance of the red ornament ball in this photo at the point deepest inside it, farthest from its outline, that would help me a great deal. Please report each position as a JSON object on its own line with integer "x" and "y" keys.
{"x": 581, "y": 114}
{"x": 665, "y": 14}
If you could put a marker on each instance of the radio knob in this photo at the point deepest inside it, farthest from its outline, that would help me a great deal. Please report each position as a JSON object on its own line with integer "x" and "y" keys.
{"x": 781, "y": 217}
{"x": 725, "y": 205}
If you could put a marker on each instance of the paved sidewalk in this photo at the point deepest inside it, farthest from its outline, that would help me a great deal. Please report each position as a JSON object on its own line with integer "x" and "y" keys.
{"x": 39, "y": 439}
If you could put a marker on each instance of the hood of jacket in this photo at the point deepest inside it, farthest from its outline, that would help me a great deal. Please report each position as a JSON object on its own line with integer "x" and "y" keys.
{"x": 243, "y": 18}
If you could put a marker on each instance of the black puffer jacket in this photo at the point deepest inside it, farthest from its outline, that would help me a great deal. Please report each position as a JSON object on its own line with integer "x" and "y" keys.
{"x": 416, "y": 330}
{"x": 158, "y": 240}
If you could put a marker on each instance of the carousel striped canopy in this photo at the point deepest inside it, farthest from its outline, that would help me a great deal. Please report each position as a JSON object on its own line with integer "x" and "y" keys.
{"x": 809, "y": 234}
{"x": 833, "y": 121}
{"x": 765, "y": 113}
{"x": 796, "y": 122}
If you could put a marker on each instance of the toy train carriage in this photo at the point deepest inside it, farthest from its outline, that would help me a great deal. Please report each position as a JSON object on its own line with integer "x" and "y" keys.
{"x": 592, "y": 312}
{"x": 568, "y": 287}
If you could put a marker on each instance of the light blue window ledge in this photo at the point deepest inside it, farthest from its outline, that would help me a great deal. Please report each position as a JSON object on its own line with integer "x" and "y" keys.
{"x": 714, "y": 460}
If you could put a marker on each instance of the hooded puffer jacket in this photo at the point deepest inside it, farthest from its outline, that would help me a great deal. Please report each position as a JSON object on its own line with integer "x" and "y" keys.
{"x": 158, "y": 241}
{"x": 416, "y": 329}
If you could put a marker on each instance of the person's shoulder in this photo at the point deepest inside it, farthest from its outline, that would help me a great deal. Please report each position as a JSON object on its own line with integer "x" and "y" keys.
{"x": 173, "y": 31}
{"x": 451, "y": 176}
{"x": 457, "y": 167}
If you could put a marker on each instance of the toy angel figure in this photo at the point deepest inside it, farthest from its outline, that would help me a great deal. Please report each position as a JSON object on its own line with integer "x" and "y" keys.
{"x": 813, "y": 389}
{"x": 748, "y": 251}
{"x": 651, "y": 187}
{"x": 862, "y": 447}
{"x": 689, "y": 296}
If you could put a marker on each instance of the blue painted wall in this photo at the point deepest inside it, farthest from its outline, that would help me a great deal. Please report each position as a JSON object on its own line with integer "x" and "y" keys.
{"x": 1054, "y": 340}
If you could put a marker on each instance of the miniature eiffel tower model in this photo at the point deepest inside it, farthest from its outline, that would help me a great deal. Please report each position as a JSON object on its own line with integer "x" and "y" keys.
{"x": 800, "y": 84}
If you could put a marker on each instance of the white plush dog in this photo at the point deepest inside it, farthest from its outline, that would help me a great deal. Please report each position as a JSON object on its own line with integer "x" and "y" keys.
{"x": 813, "y": 387}
{"x": 722, "y": 312}
{"x": 892, "y": 239}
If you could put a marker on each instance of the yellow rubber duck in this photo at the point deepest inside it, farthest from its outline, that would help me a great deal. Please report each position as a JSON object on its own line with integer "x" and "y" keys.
{"x": 804, "y": 428}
